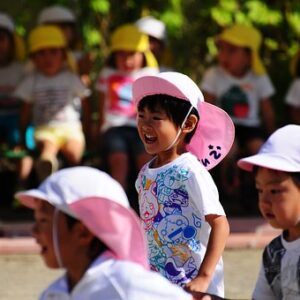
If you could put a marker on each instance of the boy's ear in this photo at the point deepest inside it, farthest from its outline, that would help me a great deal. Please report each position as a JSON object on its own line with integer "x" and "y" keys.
{"x": 190, "y": 124}
{"x": 83, "y": 233}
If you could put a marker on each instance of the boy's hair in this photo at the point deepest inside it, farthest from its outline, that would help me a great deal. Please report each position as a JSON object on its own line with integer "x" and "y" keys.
{"x": 175, "y": 108}
{"x": 97, "y": 247}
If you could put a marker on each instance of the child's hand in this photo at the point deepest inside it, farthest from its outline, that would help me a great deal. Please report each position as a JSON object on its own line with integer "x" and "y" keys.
{"x": 198, "y": 284}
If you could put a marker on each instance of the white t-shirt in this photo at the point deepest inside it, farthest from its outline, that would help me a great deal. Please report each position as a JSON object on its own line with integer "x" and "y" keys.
{"x": 10, "y": 76}
{"x": 279, "y": 276}
{"x": 293, "y": 95}
{"x": 110, "y": 279}
{"x": 117, "y": 87}
{"x": 173, "y": 201}
{"x": 56, "y": 99}
{"x": 239, "y": 97}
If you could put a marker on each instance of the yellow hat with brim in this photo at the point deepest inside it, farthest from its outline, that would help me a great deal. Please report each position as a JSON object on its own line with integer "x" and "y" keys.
{"x": 245, "y": 36}
{"x": 128, "y": 38}
{"x": 46, "y": 36}
{"x": 50, "y": 36}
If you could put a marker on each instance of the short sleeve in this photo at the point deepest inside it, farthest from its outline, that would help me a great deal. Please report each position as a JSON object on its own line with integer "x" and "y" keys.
{"x": 24, "y": 89}
{"x": 293, "y": 95}
{"x": 79, "y": 89}
{"x": 265, "y": 87}
{"x": 204, "y": 193}
{"x": 101, "y": 82}
{"x": 262, "y": 289}
{"x": 208, "y": 83}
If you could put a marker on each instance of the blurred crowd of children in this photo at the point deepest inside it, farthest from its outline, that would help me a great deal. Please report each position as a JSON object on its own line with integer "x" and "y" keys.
{"x": 45, "y": 97}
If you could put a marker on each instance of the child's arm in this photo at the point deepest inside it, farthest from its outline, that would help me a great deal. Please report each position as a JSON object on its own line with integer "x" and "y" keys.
{"x": 215, "y": 247}
{"x": 294, "y": 114}
{"x": 101, "y": 110}
{"x": 268, "y": 116}
{"x": 86, "y": 118}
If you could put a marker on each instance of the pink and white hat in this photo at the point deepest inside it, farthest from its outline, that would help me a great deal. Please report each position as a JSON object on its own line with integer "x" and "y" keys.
{"x": 214, "y": 135}
{"x": 280, "y": 152}
{"x": 100, "y": 203}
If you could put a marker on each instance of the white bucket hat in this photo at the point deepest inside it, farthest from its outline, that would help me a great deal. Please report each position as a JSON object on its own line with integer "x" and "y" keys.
{"x": 56, "y": 13}
{"x": 280, "y": 152}
{"x": 100, "y": 203}
{"x": 214, "y": 135}
{"x": 153, "y": 27}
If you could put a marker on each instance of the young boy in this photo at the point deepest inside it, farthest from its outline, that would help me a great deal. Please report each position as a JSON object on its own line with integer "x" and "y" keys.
{"x": 84, "y": 224}
{"x": 185, "y": 224}
{"x": 55, "y": 95}
{"x": 277, "y": 175}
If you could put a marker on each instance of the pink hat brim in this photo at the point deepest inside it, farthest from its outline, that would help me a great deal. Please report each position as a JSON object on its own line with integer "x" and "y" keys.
{"x": 214, "y": 136}
{"x": 117, "y": 226}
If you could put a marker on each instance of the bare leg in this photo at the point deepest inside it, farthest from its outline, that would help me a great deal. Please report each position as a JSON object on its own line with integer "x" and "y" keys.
{"x": 47, "y": 162}
{"x": 72, "y": 151}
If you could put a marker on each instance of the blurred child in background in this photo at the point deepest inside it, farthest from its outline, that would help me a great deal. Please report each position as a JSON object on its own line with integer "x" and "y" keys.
{"x": 11, "y": 73}
{"x": 292, "y": 98}
{"x": 130, "y": 58}
{"x": 56, "y": 98}
{"x": 240, "y": 85}
{"x": 157, "y": 32}
{"x": 83, "y": 223}
{"x": 185, "y": 224}
{"x": 12, "y": 55}
{"x": 65, "y": 19}
{"x": 276, "y": 168}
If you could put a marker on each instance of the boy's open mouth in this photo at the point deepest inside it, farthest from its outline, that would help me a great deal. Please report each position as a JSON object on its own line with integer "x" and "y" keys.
{"x": 149, "y": 139}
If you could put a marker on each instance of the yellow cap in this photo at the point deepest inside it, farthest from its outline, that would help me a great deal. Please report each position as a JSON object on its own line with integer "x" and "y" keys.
{"x": 46, "y": 36}
{"x": 128, "y": 38}
{"x": 50, "y": 36}
{"x": 245, "y": 36}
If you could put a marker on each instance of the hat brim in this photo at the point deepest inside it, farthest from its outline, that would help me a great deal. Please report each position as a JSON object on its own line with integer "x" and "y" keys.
{"x": 28, "y": 199}
{"x": 268, "y": 160}
{"x": 214, "y": 136}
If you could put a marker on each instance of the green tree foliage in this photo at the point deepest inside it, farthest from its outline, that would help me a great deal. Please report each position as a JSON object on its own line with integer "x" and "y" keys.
{"x": 192, "y": 26}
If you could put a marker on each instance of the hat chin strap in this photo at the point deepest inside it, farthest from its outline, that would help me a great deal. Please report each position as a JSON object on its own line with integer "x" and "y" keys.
{"x": 55, "y": 238}
{"x": 180, "y": 129}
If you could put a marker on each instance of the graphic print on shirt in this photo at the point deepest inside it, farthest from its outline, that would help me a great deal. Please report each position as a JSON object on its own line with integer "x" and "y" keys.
{"x": 235, "y": 102}
{"x": 50, "y": 104}
{"x": 120, "y": 95}
{"x": 282, "y": 270}
{"x": 171, "y": 225}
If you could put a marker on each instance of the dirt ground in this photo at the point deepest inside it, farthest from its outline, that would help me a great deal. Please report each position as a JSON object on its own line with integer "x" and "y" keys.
{"x": 23, "y": 277}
